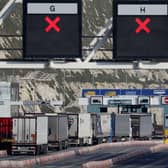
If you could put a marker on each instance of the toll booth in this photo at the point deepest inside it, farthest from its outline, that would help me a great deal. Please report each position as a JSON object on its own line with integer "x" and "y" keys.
{"x": 52, "y": 29}
{"x": 130, "y": 102}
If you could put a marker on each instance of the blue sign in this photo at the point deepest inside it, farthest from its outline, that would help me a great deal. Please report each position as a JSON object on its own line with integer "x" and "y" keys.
{"x": 121, "y": 92}
{"x": 130, "y": 92}
{"x": 110, "y": 92}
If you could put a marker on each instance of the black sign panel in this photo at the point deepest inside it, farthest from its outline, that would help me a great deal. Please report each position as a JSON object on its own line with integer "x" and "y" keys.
{"x": 140, "y": 30}
{"x": 52, "y": 29}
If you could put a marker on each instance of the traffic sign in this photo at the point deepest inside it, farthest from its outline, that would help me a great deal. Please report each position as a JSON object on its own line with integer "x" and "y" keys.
{"x": 143, "y": 100}
{"x": 155, "y": 100}
{"x": 51, "y": 29}
{"x": 142, "y": 25}
{"x": 165, "y": 100}
{"x": 96, "y": 100}
{"x": 52, "y": 24}
{"x": 126, "y": 92}
{"x": 140, "y": 30}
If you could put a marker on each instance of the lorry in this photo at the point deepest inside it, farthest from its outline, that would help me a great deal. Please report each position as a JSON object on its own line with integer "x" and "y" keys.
{"x": 6, "y": 134}
{"x": 30, "y": 134}
{"x": 101, "y": 127}
{"x": 57, "y": 131}
{"x": 136, "y": 126}
{"x": 79, "y": 128}
{"x": 106, "y": 126}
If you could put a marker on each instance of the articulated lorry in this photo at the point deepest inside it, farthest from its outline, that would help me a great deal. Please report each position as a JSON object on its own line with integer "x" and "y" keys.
{"x": 80, "y": 128}
{"x": 29, "y": 135}
{"x": 101, "y": 127}
{"x": 57, "y": 131}
{"x": 136, "y": 126}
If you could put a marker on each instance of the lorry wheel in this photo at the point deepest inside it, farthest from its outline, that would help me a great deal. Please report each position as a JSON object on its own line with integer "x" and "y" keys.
{"x": 99, "y": 141}
{"x": 63, "y": 145}
{"x": 66, "y": 144}
{"x": 81, "y": 142}
{"x": 38, "y": 150}
{"x": 45, "y": 150}
{"x": 60, "y": 146}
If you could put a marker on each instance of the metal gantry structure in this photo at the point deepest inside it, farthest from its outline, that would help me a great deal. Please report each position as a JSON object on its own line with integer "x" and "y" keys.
{"x": 96, "y": 44}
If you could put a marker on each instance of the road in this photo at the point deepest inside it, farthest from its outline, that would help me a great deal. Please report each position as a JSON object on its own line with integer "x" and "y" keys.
{"x": 77, "y": 161}
{"x": 156, "y": 160}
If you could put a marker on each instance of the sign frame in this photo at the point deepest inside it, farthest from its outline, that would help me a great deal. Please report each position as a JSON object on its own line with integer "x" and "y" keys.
{"x": 115, "y": 27}
{"x": 36, "y": 58}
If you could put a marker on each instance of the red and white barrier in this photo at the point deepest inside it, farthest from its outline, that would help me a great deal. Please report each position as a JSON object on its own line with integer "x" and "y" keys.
{"x": 55, "y": 157}
{"x": 65, "y": 155}
{"x": 3, "y": 153}
{"x": 158, "y": 148}
{"x": 38, "y": 160}
{"x": 108, "y": 163}
{"x": 113, "y": 145}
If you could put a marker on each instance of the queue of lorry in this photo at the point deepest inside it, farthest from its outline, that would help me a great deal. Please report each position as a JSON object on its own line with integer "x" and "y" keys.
{"x": 38, "y": 133}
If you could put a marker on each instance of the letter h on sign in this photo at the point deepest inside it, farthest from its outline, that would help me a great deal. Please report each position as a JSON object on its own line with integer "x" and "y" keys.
{"x": 142, "y": 9}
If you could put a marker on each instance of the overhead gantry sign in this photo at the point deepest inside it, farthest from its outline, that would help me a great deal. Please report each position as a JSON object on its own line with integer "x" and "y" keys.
{"x": 140, "y": 30}
{"x": 52, "y": 29}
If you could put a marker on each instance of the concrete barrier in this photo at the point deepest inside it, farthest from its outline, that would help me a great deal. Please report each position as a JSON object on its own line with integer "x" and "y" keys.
{"x": 113, "y": 145}
{"x": 110, "y": 162}
{"x": 64, "y": 155}
{"x": 17, "y": 164}
{"x": 55, "y": 157}
{"x": 37, "y": 160}
{"x": 160, "y": 147}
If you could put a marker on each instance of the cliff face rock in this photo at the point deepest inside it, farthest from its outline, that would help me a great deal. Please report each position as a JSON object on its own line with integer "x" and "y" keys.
{"x": 2, "y": 3}
{"x": 66, "y": 85}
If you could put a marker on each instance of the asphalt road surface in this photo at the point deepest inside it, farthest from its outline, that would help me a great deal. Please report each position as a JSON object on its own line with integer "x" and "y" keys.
{"x": 77, "y": 161}
{"x": 155, "y": 160}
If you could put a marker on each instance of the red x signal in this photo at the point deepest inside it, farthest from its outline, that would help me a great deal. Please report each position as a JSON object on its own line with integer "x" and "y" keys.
{"x": 142, "y": 25}
{"x": 52, "y": 24}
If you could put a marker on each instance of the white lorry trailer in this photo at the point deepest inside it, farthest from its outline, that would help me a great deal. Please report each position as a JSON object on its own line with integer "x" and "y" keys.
{"x": 57, "y": 131}
{"x": 106, "y": 126}
{"x": 30, "y": 135}
{"x": 79, "y": 128}
{"x": 101, "y": 126}
{"x": 136, "y": 126}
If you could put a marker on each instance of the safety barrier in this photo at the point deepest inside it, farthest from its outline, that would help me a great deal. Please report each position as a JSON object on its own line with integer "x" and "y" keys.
{"x": 68, "y": 154}
{"x": 110, "y": 162}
